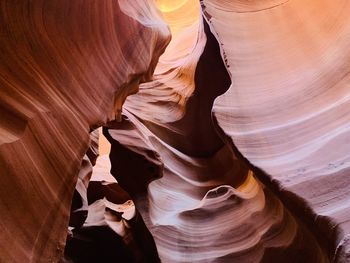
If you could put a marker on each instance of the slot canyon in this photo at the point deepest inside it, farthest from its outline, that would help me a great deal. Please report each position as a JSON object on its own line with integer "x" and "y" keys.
{"x": 175, "y": 131}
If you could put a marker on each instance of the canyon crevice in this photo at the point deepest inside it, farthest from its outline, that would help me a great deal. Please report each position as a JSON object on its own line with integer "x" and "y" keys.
{"x": 227, "y": 123}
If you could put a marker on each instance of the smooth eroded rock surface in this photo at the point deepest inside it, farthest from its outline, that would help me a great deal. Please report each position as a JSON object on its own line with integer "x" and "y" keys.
{"x": 198, "y": 200}
{"x": 287, "y": 109}
{"x": 66, "y": 67}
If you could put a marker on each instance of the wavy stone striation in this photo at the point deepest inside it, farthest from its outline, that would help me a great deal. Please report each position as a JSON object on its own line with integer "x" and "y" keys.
{"x": 79, "y": 204}
{"x": 287, "y": 110}
{"x": 66, "y": 67}
{"x": 198, "y": 200}
{"x": 113, "y": 229}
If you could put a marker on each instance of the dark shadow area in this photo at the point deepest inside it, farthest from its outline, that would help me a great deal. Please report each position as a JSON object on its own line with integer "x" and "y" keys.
{"x": 97, "y": 244}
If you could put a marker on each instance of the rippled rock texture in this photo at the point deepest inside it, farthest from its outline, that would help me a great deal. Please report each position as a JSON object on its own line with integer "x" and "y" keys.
{"x": 66, "y": 67}
{"x": 199, "y": 201}
{"x": 287, "y": 109}
{"x": 235, "y": 150}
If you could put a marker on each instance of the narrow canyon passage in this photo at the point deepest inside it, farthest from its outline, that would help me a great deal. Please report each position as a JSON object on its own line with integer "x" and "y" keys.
{"x": 199, "y": 201}
{"x": 225, "y": 131}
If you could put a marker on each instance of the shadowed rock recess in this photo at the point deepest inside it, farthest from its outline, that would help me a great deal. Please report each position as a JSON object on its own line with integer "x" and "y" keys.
{"x": 228, "y": 123}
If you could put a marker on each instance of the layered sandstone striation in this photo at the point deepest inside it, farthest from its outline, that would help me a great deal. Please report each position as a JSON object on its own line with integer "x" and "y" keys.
{"x": 198, "y": 200}
{"x": 65, "y": 68}
{"x": 287, "y": 109}
{"x": 234, "y": 147}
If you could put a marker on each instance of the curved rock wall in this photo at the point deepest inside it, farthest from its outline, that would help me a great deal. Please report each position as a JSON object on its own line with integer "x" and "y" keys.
{"x": 66, "y": 67}
{"x": 207, "y": 206}
{"x": 287, "y": 110}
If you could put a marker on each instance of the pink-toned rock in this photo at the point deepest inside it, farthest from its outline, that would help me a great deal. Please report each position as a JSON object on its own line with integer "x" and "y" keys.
{"x": 287, "y": 110}
{"x": 253, "y": 171}
{"x": 207, "y": 206}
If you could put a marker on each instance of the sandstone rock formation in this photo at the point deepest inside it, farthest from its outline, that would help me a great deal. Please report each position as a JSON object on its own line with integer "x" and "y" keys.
{"x": 207, "y": 205}
{"x": 113, "y": 230}
{"x": 287, "y": 108}
{"x": 66, "y": 67}
{"x": 235, "y": 150}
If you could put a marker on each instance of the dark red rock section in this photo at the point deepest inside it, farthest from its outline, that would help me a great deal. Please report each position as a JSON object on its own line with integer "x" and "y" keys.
{"x": 102, "y": 244}
{"x": 65, "y": 68}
